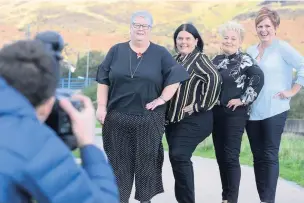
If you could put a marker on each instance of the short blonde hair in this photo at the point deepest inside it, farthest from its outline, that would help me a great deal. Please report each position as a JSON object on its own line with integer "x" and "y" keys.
{"x": 234, "y": 26}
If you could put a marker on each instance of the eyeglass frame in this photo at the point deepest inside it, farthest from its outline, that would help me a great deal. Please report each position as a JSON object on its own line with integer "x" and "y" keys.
{"x": 141, "y": 25}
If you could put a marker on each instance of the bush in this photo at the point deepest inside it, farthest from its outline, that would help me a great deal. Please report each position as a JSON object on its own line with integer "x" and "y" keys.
{"x": 297, "y": 104}
{"x": 91, "y": 92}
{"x": 95, "y": 59}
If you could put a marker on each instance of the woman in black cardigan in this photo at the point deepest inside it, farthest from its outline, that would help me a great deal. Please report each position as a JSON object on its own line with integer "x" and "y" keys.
{"x": 242, "y": 82}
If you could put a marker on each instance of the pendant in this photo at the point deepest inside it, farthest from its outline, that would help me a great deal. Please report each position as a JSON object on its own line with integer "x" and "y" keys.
{"x": 139, "y": 55}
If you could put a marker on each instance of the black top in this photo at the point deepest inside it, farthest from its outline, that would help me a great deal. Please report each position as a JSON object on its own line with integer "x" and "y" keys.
{"x": 242, "y": 79}
{"x": 152, "y": 72}
{"x": 201, "y": 90}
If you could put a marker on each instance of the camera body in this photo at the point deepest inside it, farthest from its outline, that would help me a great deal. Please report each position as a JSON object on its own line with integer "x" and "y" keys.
{"x": 60, "y": 121}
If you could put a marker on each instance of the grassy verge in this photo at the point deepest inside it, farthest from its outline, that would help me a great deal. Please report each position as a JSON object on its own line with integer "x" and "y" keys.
{"x": 76, "y": 153}
{"x": 98, "y": 125}
{"x": 291, "y": 155}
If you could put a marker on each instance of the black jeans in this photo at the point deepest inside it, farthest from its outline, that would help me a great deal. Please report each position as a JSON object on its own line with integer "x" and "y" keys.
{"x": 228, "y": 129}
{"x": 183, "y": 137}
{"x": 265, "y": 138}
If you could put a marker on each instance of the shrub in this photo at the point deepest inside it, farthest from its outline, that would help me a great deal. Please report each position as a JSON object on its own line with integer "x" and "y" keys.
{"x": 91, "y": 91}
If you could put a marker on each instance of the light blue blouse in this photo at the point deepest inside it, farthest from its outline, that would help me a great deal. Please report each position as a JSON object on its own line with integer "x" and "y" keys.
{"x": 277, "y": 63}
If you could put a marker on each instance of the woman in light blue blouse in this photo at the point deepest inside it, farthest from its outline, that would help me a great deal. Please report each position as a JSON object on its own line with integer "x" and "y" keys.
{"x": 277, "y": 59}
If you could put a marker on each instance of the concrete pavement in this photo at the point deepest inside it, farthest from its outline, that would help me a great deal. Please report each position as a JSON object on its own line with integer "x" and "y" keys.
{"x": 208, "y": 184}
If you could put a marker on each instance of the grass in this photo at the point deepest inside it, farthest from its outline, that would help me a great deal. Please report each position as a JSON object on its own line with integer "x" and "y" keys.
{"x": 76, "y": 153}
{"x": 114, "y": 19}
{"x": 98, "y": 125}
{"x": 291, "y": 155}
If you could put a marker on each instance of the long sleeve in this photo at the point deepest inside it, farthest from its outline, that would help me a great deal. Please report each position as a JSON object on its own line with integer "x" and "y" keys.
{"x": 294, "y": 59}
{"x": 254, "y": 80}
{"x": 211, "y": 87}
{"x": 52, "y": 176}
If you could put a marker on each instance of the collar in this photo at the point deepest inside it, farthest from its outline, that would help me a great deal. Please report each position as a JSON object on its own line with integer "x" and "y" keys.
{"x": 231, "y": 56}
{"x": 181, "y": 58}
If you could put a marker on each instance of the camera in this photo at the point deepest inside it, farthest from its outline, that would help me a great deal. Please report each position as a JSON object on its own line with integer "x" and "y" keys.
{"x": 60, "y": 121}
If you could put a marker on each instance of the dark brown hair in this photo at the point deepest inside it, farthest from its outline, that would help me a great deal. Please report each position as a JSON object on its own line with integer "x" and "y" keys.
{"x": 188, "y": 27}
{"x": 264, "y": 13}
{"x": 29, "y": 67}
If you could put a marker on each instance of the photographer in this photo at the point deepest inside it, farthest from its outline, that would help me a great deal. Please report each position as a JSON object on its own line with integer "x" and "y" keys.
{"x": 34, "y": 162}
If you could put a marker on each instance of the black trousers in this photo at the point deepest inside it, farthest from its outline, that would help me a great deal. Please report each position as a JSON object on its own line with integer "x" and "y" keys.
{"x": 183, "y": 137}
{"x": 265, "y": 138}
{"x": 228, "y": 129}
{"x": 133, "y": 144}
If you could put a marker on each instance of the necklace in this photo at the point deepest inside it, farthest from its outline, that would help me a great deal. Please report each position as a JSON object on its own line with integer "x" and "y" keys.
{"x": 141, "y": 58}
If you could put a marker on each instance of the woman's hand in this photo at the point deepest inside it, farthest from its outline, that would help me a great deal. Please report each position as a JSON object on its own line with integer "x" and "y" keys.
{"x": 287, "y": 94}
{"x": 101, "y": 113}
{"x": 155, "y": 103}
{"x": 234, "y": 103}
{"x": 188, "y": 109}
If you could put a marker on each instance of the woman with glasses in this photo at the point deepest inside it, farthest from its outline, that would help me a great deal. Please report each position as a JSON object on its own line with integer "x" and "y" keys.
{"x": 136, "y": 79}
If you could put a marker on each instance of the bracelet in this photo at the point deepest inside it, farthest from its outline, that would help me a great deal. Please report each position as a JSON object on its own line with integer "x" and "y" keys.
{"x": 161, "y": 97}
{"x": 243, "y": 103}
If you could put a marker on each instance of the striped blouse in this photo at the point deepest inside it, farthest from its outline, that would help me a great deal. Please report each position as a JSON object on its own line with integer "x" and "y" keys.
{"x": 202, "y": 89}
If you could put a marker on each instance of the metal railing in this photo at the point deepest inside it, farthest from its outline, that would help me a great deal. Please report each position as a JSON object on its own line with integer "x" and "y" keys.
{"x": 75, "y": 83}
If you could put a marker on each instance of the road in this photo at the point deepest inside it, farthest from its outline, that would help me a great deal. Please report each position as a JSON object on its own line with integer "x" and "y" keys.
{"x": 208, "y": 185}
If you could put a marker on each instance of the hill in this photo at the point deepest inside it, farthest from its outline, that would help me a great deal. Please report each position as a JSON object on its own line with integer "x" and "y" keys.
{"x": 97, "y": 25}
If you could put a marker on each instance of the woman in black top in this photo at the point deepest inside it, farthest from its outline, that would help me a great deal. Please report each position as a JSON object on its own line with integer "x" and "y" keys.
{"x": 189, "y": 114}
{"x": 242, "y": 82}
{"x": 135, "y": 80}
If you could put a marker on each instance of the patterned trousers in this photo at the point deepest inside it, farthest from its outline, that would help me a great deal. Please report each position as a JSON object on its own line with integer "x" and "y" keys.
{"x": 133, "y": 144}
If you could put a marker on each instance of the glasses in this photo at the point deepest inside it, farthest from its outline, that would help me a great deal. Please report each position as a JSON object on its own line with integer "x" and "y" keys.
{"x": 144, "y": 26}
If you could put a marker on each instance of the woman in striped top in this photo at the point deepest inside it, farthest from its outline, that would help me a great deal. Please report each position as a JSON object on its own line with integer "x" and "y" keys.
{"x": 189, "y": 119}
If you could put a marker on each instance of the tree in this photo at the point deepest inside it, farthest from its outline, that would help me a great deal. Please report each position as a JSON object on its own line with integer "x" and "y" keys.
{"x": 297, "y": 103}
{"x": 95, "y": 59}
{"x": 64, "y": 69}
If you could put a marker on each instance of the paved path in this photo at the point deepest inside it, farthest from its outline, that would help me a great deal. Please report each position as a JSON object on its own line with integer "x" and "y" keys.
{"x": 208, "y": 185}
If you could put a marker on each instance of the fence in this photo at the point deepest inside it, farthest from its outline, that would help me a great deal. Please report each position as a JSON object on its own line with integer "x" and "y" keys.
{"x": 75, "y": 83}
{"x": 295, "y": 126}
{"x": 292, "y": 125}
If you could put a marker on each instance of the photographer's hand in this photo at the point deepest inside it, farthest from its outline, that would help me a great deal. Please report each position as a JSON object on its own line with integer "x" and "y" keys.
{"x": 83, "y": 122}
